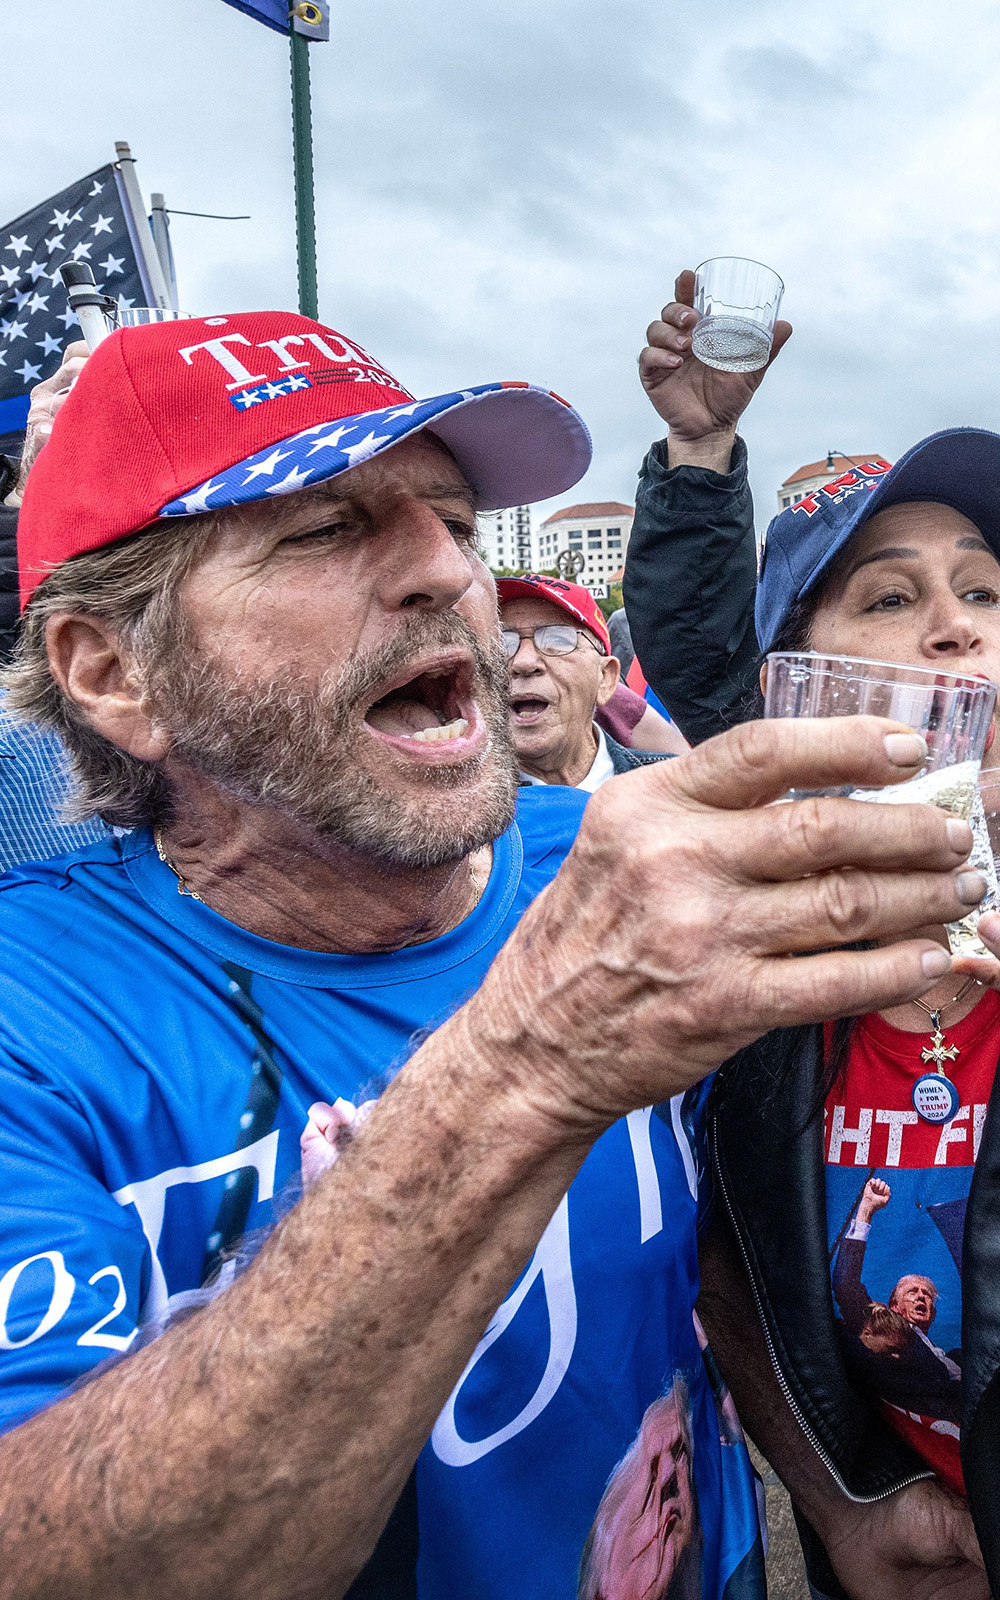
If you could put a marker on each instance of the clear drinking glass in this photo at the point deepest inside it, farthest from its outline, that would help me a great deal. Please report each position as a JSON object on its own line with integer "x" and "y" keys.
{"x": 143, "y": 316}
{"x": 738, "y": 303}
{"x": 953, "y": 712}
{"x": 985, "y": 858}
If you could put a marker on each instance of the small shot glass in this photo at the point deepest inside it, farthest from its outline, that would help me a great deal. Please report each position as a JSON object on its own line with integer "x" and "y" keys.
{"x": 737, "y": 302}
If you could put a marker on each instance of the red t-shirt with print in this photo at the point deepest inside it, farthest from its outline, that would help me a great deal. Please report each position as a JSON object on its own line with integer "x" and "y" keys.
{"x": 897, "y": 1188}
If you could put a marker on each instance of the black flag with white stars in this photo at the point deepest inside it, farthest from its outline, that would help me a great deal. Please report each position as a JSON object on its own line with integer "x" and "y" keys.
{"x": 86, "y": 222}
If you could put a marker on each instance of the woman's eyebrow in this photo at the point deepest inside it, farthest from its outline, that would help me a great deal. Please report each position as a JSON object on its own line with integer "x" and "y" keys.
{"x": 973, "y": 542}
{"x": 890, "y": 553}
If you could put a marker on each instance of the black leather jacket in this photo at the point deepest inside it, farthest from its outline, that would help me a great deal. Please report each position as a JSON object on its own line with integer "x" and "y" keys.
{"x": 766, "y": 1131}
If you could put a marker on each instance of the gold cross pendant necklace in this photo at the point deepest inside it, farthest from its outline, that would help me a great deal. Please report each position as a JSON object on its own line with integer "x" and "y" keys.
{"x": 937, "y": 1052}
{"x": 935, "y": 1098}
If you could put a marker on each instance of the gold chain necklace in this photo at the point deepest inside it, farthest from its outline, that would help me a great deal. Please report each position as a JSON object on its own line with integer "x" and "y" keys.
{"x": 937, "y": 1052}
{"x": 182, "y": 887}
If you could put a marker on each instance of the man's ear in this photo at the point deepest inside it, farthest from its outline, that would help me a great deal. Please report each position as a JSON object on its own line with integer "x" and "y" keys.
{"x": 86, "y": 660}
{"x": 611, "y": 671}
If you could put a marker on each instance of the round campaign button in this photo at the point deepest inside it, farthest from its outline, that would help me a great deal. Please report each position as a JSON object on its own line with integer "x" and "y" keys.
{"x": 935, "y": 1097}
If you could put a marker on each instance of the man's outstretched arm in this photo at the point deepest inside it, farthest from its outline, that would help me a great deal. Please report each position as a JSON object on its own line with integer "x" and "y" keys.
{"x": 256, "y": 1450}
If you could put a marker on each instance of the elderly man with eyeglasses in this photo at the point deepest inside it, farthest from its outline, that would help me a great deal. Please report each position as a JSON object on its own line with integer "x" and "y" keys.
{"x": 561, "y": 672}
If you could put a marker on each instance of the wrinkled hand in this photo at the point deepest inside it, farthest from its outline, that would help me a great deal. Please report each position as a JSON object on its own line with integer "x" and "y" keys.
{"x": 46, "y": 400}
{"x": 698, "y": 404}
{"x": 662, "y": 946}
{"x": 919, "y": 1544}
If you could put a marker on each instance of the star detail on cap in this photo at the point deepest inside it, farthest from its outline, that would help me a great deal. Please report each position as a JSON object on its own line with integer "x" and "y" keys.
{"x": 329, "y": 441}
{"x": 404, "y": 411}
{"x": 297, "y": 380}
{"x": 29, "y": 373}
{"x": 18, "y": 245}
{"x": 272, "y": 391}
{"x": 247, "y": 398}
{"x": 295, "y": 479}
{"x": 366, "y": 446}
{"x": 262, "y": 468}
{"x": 102, "y": 225}
{"x": 197, "y": 500}
{"x": 112, "y": 265}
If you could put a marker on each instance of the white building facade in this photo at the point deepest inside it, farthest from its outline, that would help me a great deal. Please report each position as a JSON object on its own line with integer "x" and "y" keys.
{"x": 598, "y": 531}
{"x": 506, "y": 538}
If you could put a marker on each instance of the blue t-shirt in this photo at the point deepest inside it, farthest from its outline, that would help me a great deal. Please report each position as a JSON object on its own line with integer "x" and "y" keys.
{"x": 157, "y": 1064}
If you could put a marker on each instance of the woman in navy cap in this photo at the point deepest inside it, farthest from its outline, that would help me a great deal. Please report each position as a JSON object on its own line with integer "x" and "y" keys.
{"x": 859, "y": 1236}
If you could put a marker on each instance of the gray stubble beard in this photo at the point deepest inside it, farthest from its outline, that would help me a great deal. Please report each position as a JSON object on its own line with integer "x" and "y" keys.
{"x": 297, "y": 746}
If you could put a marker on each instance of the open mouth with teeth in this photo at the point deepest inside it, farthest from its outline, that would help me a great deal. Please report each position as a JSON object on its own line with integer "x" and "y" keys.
{"x": 432, "y": 712}
{"x": 527, "y": 709}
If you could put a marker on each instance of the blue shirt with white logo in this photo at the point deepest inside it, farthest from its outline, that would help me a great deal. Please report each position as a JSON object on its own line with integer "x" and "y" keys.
{"x": 157, "y": 1064}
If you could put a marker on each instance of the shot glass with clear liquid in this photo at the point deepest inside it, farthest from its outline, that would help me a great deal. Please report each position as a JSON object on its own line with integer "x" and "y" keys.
{"x": 953, "y": 712}
{"x": 737, "y": 302}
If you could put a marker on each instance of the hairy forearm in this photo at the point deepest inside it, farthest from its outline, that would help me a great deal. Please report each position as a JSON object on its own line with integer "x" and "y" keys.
{"x": 257, "y": 1449}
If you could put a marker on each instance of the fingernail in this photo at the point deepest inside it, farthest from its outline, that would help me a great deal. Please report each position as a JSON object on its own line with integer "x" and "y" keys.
{"x": 905, "y": 749}
{"x": 959, "y": 835}
{"x": 988, "y": 926}
{"x": 970, "y": 887}
{"x": 935, "y": 963}
{"x": 683, "y": 343}
{"x": 674, "y": 361}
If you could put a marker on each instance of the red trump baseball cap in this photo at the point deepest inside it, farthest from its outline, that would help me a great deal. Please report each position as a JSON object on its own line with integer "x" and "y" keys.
{"x": 571, "y": 597}
{"x": 191, "y": 416}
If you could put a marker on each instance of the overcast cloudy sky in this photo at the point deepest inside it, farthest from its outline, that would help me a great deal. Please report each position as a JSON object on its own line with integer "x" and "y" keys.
{"x": 506, "y": 190}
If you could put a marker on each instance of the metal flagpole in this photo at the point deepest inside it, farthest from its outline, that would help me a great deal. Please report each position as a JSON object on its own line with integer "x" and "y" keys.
{"x": 142, "y": 237}
{"x": 308, "y": 21}
{"x": 161, "y": 239}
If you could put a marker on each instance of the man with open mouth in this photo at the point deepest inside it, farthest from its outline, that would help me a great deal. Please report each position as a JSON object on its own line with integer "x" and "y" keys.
{"x": 255, "y": 614}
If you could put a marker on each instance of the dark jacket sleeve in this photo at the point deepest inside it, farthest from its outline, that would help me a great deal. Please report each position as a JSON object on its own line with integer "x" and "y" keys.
{"x": 853, "y": 1300}
{"x": 8, "y": 566}
{"x": 690, "y": 579}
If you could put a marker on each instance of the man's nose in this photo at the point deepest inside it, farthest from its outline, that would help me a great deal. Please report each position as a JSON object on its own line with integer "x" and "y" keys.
{"x": 423, "y": 566}
{"x": 526, "y": 660}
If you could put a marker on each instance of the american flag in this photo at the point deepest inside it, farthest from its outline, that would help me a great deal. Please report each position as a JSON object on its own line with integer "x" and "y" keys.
{"x": 89, "y": 222}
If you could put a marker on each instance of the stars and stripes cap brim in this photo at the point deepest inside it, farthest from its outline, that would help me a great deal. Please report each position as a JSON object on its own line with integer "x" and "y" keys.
{"x": 515, "y": 442}
{"x": 188, "y": 417}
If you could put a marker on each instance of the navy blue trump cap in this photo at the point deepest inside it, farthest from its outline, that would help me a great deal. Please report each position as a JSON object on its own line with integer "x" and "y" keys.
{"x": 959, "y": 467}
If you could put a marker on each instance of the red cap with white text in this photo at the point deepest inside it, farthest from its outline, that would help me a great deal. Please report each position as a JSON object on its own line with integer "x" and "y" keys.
{"x": 191, "y": 416}
{"x": 571, "y": 597}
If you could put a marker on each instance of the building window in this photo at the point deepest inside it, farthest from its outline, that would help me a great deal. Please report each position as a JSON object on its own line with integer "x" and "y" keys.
{"x": 614, "y": 532}
{"x": 786, "y": 502}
